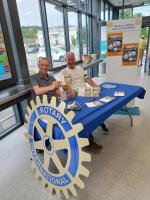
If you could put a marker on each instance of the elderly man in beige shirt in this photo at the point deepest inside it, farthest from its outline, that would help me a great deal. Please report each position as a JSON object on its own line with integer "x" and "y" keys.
{"x": 77, "y": 78}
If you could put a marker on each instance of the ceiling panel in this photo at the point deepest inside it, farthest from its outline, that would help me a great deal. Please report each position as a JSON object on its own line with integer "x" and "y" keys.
{"x": 128, "y": 2}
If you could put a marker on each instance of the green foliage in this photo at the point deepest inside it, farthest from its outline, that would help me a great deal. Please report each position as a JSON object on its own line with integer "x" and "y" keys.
{"x": 84, "y": 35}
{"x": 30, "y": 31}
{"x": 74, "y": 41}
{"x": 3, "y": 58}
{"x": 144, "y": 31}
{"x": 33, "y": 45}
{"x": 127, "y": 13}
{"x": 137, "y": 15}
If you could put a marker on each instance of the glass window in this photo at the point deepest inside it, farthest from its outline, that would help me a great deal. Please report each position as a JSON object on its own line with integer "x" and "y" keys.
{"x": 111, "y": 13}
{"x": 73, "y": 33}
{"x": 120, "y": 13}
{"x": 32, "y": 32}
{"x": 84, "y": 33}
{"x": 102, "y": 10}
{"x": 8, "y": 120}
{"x": 5, "y": 72}
{"x": 127, "y": 13}
{"x": 106, "y": 12}
{"x": 74, "y": 3}
{"x": 88, "y": 7}
{"x": 56, "y": 34}
{"x": 141, "y": 11}
{"x": 89, "y": 34}
{"x": 83, "y": 4}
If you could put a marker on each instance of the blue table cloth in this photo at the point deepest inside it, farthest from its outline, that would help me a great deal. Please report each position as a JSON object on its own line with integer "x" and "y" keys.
{"x": 91, "y": 118}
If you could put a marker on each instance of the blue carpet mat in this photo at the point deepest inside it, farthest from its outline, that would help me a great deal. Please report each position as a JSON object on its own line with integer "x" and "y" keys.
{"x": 133, "y": 111}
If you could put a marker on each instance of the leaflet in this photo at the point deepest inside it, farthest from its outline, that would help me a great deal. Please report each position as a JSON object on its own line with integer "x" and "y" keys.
{"x": 94, "y": 104}
{"x": 107, "y": 99}
{"x": 119, "y": 94}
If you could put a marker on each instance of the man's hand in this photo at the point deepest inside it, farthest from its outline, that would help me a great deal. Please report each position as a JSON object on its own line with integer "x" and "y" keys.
{"x": 56, "y": 84}
{"x": 90, "y": 82}
{"x": 71, "y": 94}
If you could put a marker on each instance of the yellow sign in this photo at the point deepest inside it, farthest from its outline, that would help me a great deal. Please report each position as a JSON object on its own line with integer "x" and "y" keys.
{"x": 130, "y": 54}
{"x": 114, "y": 44}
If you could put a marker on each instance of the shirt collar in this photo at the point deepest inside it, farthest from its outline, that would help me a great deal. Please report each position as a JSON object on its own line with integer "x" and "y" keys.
{"x": 42, "y": 77}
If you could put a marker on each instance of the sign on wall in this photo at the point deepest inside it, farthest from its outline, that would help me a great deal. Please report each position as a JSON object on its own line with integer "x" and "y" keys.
{"x": 5, "y": 72}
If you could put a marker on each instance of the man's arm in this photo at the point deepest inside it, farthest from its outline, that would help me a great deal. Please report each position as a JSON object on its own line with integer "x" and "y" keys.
{"x": 43, "y": 90}
{"x": 90, "y": 81}
{"x": 87, "y": 78}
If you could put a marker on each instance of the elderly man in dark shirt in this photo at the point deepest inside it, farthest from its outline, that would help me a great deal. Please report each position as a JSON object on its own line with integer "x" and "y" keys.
{"x": 44, "y": 83}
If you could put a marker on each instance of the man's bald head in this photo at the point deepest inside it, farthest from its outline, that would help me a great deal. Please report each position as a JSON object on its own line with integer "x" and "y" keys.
{"x": 70, "y": 59}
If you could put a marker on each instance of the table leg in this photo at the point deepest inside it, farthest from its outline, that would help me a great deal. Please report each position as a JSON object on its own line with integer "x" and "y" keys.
{"x": 126, "y": 109}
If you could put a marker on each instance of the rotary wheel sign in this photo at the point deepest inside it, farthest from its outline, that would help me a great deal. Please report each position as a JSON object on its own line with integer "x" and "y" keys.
{"x": 56, "y": 149}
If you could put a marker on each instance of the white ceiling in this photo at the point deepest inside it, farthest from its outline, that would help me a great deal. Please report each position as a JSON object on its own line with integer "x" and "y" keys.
{"x": 128, "y": 2}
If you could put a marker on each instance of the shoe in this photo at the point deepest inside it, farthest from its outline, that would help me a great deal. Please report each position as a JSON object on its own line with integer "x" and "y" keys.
{"x": 104, "y": 128}
{"x": 93, "y": 147}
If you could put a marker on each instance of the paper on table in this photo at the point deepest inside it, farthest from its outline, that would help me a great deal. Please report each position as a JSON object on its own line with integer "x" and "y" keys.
{"x": 93, "y": 104}
{"x": 109, "y": 86}
{"x": 107, "y": 99}
{"x": 119, "y": 94}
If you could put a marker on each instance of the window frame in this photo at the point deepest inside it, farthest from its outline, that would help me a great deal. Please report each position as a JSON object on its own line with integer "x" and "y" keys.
{"x": 79, "y": 22}
{"x": 16, "y": 109}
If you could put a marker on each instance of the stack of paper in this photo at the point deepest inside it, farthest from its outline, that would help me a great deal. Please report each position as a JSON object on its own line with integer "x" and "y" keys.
{"x": 89, "y": 91}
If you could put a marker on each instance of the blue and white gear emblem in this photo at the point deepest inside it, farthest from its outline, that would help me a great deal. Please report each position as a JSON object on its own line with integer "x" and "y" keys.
{"x": 51, "y": 131}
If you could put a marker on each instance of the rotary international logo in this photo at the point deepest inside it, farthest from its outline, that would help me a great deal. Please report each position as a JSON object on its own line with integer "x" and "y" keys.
{"x": 56, "y": 149}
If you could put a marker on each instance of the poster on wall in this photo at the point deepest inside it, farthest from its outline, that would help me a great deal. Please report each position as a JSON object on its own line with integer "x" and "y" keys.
{"x": 5, "y": 72}
{"x": 114, "y": 44}
{"x": 130, "y": 54}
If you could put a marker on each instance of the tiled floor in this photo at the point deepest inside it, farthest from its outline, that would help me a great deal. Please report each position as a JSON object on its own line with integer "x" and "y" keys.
{"x": 120, "y": 172}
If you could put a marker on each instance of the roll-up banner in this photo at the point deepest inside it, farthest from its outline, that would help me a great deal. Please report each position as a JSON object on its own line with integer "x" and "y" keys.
{"x": 122, "y": 50}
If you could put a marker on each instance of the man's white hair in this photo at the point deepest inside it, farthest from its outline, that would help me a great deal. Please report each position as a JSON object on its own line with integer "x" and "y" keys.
{"x": 69, "y": 53}
{"x": 44, "y": 58}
